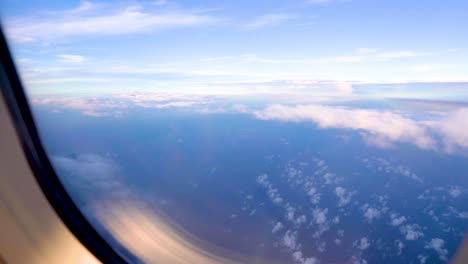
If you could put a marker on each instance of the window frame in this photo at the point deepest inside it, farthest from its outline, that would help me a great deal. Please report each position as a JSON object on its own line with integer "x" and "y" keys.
{"x": 41, "y": 167}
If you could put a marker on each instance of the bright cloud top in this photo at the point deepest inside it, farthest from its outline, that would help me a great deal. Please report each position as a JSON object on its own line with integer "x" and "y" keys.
{"x": 379, "y": 127}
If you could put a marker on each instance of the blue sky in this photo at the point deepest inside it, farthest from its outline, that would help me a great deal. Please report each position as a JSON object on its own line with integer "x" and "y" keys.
{"x": 322, "y": 47}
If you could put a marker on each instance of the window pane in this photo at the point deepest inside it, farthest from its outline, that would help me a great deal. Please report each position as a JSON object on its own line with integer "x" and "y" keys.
{"x": 308, "y": 131}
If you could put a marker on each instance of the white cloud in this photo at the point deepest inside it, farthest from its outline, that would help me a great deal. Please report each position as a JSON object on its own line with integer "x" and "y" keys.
{"x": 453, "y": 129}
{"x": 300, "y": 220}
{"x": 400, "y": 54}
{"x": 88, "y": 106}
{"x": 366, "y": 50}
{"x": 343, "y": 195}
{"x": 81, "y": 21}
{"x": 455, "y": 191}
{"x": 397, "y": 220}
{"x": 438, "y": 245}
{"x": 278, "y": 226}
{"x": 71, "y": 58}
{"x": 314, "y": 195}
{"x": 372, "y": 123}
{"x": 319, "y": 216}
{"x": 290, "y": 240}
{"x": 272, "y": 192}
{"x": 383, "y": 165}
{"x": 433, "y": 67}
{"x": 422, "y": 259}
{"x": 411, "y": 231}
{"x": 319, "y": 220}
{"x": 362, "y": 244}
{"x": 268, "y": 20}
{"x": 399, "y": 246}
{"x": 298, "y": 258}
{"x": 371, "y": 213}
{"x": 117, "y": 104}
{"x": 331, "y": 178}
{"x": 89, "y": 172}
{"x": 294, "y": 87}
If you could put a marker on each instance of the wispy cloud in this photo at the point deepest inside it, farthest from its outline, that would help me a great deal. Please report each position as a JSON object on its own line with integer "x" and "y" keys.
{"x": 71, "y": 58}
{"x": 367, "y": 50}
{"x": 129, "y": 218}
{"x": 431, "y": 67}
{"x": 268, "y": 20}
{"x": 85, "y": 20}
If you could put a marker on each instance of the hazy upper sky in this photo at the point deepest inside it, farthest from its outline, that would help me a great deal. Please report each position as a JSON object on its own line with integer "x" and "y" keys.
{"x": 316, "y": 46}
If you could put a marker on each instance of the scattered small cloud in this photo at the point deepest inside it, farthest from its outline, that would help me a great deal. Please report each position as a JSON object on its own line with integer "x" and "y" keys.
{"x": 397, "y": 220}
{"x": 278, "y": 226}
{"x": 411, "y": 231}
{"x": 343, "y": 195}
{"x": 370, "y": 213}
{"x": 362, "y": 244}
{"x": 438, "y": 245}
{"x": 400, "y": 245}
{"x": 71, "y": 58}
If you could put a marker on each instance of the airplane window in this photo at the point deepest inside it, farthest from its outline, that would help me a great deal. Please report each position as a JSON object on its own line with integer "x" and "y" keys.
{"x": 304, "y": 131}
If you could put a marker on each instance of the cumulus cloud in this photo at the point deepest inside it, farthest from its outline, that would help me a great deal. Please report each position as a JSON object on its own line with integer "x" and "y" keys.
{"x": 343, "y": 195}
{"x": 455, "y": 191}
{"x": 319, "y": 216}
{"x": 383, "y": 126}
{"x": 320, "y": 221}
{"x": 396, "y": 220}
{"x": 290, "y": 240}
{"x": 362, "y": 244}
{"x": 400, "y": 245}
{"x": 383, "y": 165}
{"x": 272, "y": 192}
{"x": 278, "y": 226}
{"x": 411, "y": 231}
{"x": 438, "y": 245}
{"x": 298, "y": 258}
{"x": 370, "y": 213}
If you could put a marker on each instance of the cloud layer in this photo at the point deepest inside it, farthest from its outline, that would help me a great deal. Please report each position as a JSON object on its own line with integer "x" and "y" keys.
{"x": 379, "y": 127}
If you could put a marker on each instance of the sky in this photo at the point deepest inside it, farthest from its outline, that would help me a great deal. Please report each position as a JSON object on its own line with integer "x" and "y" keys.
{"x": 319, "y": 47}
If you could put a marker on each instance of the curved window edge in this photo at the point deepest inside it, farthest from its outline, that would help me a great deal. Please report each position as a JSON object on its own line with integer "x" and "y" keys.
{"x": 51, "y": 186}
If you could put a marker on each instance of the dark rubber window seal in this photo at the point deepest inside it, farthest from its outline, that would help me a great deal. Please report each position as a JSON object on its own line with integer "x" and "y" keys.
{"x": 41, "y": 167}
